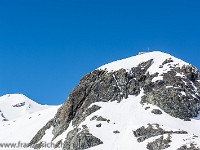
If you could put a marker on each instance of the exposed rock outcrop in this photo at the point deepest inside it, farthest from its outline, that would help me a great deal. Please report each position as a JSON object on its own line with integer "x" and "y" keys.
{"x": 159, "y": 143}
{"x": 156, "y": 111}
{"x": 97, "y": 86}
{"x": 176, "y": 95}
{"x": 192, "y": 147}
{"x": 79, "y": 140}
{"x": 151, "y": 131}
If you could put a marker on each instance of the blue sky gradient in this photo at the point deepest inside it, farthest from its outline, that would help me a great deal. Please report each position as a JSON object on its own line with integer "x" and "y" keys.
{"x": 46, "y": 46}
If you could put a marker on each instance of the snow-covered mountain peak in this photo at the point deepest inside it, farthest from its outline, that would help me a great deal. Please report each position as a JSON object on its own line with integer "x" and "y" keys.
{"x": 157, "y": 57}
{"x": 13, "y": 106}
{"x": 13, "y": 97}
{"x": 146, "y": 102}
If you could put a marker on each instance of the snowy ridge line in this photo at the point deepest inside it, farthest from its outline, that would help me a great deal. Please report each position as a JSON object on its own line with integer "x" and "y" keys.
{"x": 128, "y": 63}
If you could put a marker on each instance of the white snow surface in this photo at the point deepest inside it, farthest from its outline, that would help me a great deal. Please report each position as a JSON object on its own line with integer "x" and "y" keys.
{"x": 128, "y": 63}
{"x": 13, "y": 106}
{"x": 25, "y": 118}
{"x": 158, "y": 58}
{"x": 21, "y": 130}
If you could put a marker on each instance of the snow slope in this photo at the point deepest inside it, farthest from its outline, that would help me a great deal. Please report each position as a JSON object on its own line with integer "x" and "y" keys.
{"x": 22, "y": 129}
{"x": 126, "y": 117}
{"x": 21, "y": 118}
{"x": 13, "y": 106}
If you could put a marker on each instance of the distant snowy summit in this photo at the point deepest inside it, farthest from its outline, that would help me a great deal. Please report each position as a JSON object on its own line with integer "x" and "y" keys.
{"x": 13, "y": 106}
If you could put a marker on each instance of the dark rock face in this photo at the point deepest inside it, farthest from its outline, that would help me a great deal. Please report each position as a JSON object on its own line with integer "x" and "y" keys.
{"x": 156, "y": 111}
{"x": 116, "y": 132}
{"x": 192, "y": 147}
{"x": 99, "y": 118}
{"x": 145, "y": 133}
{"x": 147, "y": 108}
{"x": 79, "y": 140}
{"x": 19, "y": 105}
{"x": 98, "y": 125}
{"x": 86, "y": 113}
{"x": 4, "y": 118}
{"x": 172, "y": 100}
{"x": 167, "y": 61}
{"x": 104, "y": 86}
{"x": 159, "y": 143}
{"x": 96, "y": 86}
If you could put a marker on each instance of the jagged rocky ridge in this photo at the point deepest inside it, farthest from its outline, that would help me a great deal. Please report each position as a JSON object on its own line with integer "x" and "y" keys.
{"x": 176, "y": 94}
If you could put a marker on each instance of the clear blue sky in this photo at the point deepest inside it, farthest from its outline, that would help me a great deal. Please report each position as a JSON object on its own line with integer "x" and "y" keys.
{"x": 46, "y": 46}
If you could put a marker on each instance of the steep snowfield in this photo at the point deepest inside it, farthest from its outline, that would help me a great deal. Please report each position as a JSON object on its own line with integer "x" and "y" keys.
{"x": 21, "y": 118}
{"x": 23, "y": 129}
{"x": 13, "y": 106}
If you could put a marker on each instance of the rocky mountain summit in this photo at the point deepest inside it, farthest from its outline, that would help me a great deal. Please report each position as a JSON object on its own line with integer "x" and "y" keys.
{"x": 150, "y": 101}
